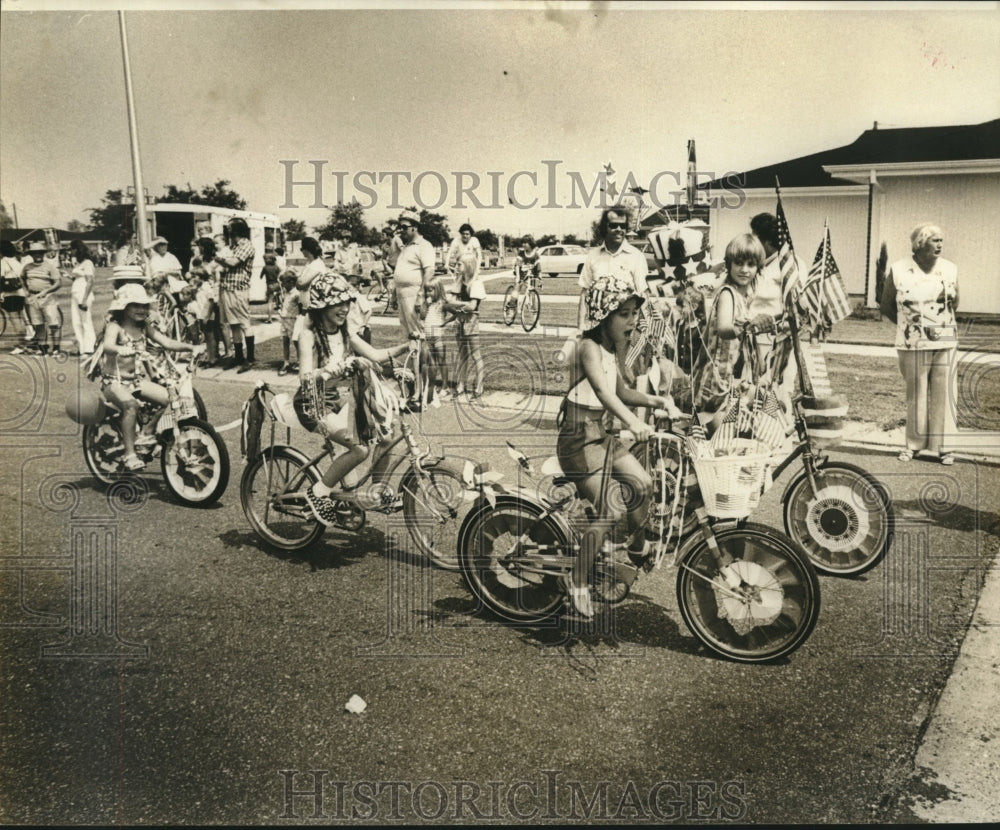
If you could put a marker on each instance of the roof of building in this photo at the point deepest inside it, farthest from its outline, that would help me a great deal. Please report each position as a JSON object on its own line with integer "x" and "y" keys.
{"x": 878, "y": 147}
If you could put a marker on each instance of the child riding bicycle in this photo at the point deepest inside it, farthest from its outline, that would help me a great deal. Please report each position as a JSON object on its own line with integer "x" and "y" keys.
{"x": 329, "y": 355}
{"x": 127, "y": 364}
{"x": 612, "y": 307}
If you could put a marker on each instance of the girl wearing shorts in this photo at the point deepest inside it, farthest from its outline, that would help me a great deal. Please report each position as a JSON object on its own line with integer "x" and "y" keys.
{"x": 329, "y": 354}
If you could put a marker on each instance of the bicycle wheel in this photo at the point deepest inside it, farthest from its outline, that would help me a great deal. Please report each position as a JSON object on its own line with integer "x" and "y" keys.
{"x": 103, "y": 451}
{"x": 510, "y": 305}
{"x": 761, "y": 606}
{"x": 195, "y": 464}
{"x": 847, "y": 525}
{"x": 531, "y": 308}
{"x": 434, "y": 504}
{"x": 493, "y": 548}
{"x": 272, "y": 495}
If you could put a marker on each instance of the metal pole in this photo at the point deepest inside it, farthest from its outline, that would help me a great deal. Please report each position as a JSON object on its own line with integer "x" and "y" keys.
{"x": 140, "y": 199}
{"x": 13, "y": 207}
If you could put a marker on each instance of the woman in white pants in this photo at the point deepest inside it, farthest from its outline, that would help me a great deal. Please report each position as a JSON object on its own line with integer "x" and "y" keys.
{"x": 82, "y": 293}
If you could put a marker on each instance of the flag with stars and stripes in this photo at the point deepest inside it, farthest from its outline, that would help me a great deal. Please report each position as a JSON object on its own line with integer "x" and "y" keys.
{"x": 651, "y": 327}
{"x": 824, "y": 296}
{"x": 790, "y": 277}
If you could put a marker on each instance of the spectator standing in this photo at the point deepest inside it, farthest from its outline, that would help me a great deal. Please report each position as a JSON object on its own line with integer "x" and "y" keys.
{"x": 463, "y": 301}
{"x": 82, "y": 293}
{"x": 127, "y": 251}
{"x": 41, "y": 279}
{"x": 465, "y": 245}
{"x": 920, "y": 296}
{"x": 413, "y": 273}
{"x": 347, "y": 259}
{"x": 769, "y": 298}
{"x": 234, "y": 293}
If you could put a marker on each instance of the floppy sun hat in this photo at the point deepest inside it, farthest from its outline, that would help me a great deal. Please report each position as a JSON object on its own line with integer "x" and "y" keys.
{"x": 130, "y": 294}
{"x": 330, "y": 289}
{"x": 606, "y": 295}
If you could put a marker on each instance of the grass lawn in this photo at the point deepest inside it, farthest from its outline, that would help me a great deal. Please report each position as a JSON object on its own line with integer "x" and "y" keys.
{"x": 873, "y": 386}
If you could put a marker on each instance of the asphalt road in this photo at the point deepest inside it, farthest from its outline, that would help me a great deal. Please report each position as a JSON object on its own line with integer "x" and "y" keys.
{"x": 219, "y": 692}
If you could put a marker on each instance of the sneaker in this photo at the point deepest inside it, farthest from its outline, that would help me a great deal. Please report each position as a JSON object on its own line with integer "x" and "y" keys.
{"x": 285, "y": 368}
{"x": 323, "y": 508}
{"x": 579, "y": 597}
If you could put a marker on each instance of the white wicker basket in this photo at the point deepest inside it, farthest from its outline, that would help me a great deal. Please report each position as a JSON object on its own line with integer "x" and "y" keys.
{"x": 731, "y": 484}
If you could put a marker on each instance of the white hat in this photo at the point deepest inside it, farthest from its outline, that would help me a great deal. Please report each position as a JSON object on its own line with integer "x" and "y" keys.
{"x": 157, "y": 240}
{"x": 128, "y": 295}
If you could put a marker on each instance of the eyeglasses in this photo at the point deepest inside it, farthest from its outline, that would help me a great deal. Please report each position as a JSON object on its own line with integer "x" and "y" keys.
{"x": 406, "y": 227}
{"x": 622, "y": 225}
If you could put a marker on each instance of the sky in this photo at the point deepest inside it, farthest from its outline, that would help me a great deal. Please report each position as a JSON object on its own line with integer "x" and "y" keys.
{"x": 521, "y": 98}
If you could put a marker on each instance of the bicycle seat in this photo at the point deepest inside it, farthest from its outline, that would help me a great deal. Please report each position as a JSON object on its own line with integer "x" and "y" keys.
{"x": 552, "y": 467}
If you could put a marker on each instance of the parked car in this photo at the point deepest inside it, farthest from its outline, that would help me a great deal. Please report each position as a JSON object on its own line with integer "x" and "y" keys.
{"x": 562, "y": 259}
{"x": 645, "y": 247}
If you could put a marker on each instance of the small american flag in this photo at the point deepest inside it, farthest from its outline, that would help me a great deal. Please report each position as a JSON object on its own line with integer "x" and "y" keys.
{"x": 651, "y": 327}
{"x": 770, "y": 425}
{"x": 790, "y": 276}
{"x": 824, "y": 296}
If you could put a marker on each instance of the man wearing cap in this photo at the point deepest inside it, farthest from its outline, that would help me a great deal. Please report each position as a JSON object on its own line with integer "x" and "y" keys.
{"x": 41, "y": 278}
{"x": 234, "y": 292}
{"x": 413, "y": 273}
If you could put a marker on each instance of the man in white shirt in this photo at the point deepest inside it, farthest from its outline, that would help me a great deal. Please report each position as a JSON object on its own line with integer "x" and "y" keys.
{"x": 614, "y": 257}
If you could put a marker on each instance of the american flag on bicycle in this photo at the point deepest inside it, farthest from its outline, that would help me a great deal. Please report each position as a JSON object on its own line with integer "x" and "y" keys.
{"x": 824, "y": 296}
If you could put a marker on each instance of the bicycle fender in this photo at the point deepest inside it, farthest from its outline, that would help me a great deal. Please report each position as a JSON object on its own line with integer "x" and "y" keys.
{"x": 506, "y": 499}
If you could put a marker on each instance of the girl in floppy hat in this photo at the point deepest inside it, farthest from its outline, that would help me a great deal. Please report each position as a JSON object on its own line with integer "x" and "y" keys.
{"x": 124, "y": 371}
{"x": 329, "y": 354}
{"x": 611, "y": 311}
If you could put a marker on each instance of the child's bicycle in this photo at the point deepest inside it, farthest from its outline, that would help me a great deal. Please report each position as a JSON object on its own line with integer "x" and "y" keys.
{"x": 402, "y": 477}
{"x": 841, "y": 514}
{"x": 193, "y": 458}
{"x": 747, "y": 592}
{"x": 522, "y": 298}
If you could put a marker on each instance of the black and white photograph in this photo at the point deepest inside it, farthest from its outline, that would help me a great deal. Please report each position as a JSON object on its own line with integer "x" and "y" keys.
{"x": 481, "y": 413}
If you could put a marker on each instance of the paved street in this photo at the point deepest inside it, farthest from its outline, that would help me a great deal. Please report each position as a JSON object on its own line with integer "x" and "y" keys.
{"x": 161, "y": 665}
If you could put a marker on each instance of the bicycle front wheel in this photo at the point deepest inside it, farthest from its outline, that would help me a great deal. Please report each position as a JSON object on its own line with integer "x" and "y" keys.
{"x": 846, "y": 525}
{"x": 510, "y": 305}
{"x": 531, "y": 308}
{"x": 435, "y": 501}
{"x": 761, "y": 606}
{"x": 272, "y": 493}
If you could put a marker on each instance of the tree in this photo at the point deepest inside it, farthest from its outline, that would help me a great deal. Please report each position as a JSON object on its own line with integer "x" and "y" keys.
{"x": 434, "y": 227}
{"x": 76, "y": 226}
{"x": 573, "y": 239}
{"x": 113, "y": 217}
{"x": 349, "y": 217}
{"x": 216, "y": 195}
{"x": 548, "y": 239}
{"x": 293, "y": 229}
{"x": 487, "y": 239}
{"x": 5, "y": 220}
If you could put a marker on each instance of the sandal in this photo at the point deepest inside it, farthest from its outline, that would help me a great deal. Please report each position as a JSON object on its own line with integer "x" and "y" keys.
{"x": 947, "y": 459}
{"x": 906, "y": 455}
{"x": 145, "y": 439}
{"x": 133, "y": 463}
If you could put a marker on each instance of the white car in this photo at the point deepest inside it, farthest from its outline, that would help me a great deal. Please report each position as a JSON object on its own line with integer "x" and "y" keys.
{"x": 561, "y": 259}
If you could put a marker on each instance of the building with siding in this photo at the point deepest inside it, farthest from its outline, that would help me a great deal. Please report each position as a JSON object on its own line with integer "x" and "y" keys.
{"x": 874, "y": 191}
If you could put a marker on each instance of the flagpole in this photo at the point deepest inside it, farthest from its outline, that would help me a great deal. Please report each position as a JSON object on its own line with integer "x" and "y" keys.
{"x": 133, "y": 129}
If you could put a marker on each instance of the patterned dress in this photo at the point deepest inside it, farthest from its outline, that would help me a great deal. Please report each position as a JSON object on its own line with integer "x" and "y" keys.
{"x": 714, "y": 372}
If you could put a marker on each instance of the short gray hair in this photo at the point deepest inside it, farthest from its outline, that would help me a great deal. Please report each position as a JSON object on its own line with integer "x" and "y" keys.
{"x": 921, "y": 233}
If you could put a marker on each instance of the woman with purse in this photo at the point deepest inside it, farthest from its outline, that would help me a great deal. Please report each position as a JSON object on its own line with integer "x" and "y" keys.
{"x": 920, "y": 296}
